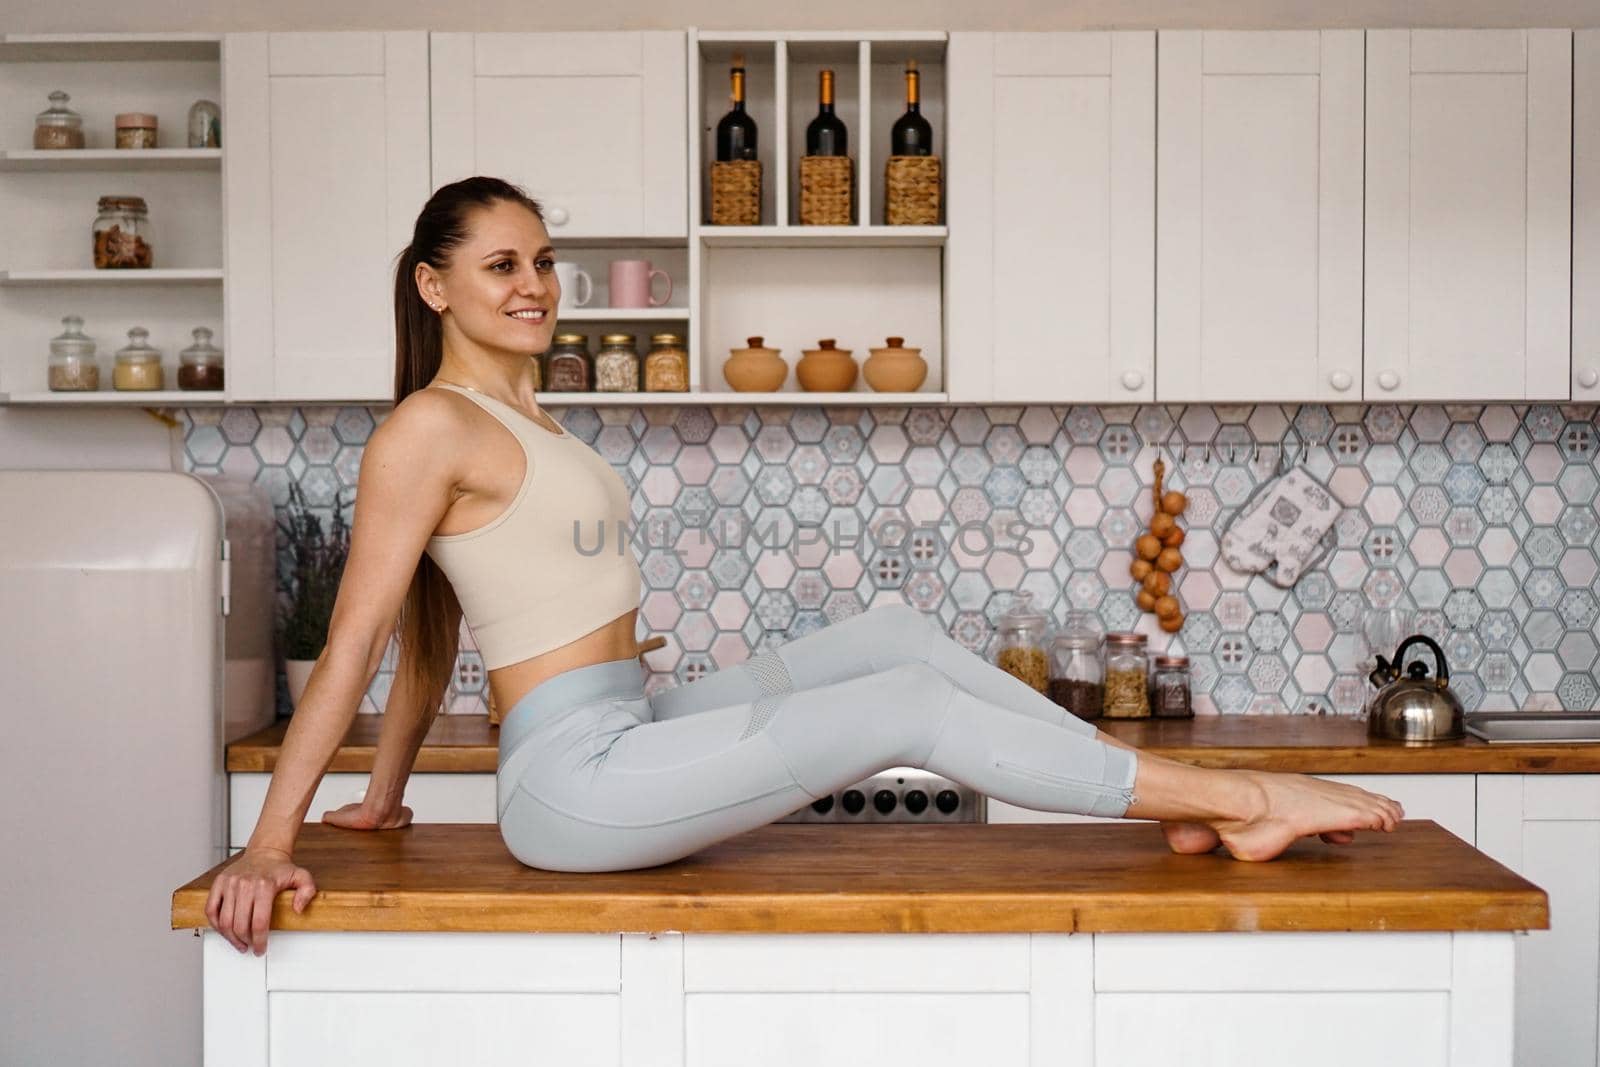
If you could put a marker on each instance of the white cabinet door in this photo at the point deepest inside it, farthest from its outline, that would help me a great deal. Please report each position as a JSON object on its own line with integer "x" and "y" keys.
{"x": 1258, "y": 245}
{"x": 1547, "y": 829}
{"x": 1050, "y": 264}
{"x": 590, "y": 124}
{"x": 1586, "y": 215}
{"x": 1468, "y": 214}
{"x": 325, "y": 169}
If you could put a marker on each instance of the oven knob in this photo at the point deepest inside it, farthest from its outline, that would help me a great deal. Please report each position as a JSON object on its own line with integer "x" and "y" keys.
{"x": 947, "y": 801}
{"x": 884, "y": 801}
{"x": 823, "y": 805}
{"x": 916, "y": 802}
{"x": 854, "y": 801}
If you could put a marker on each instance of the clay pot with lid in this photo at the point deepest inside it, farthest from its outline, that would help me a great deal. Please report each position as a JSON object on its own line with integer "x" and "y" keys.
{"x": 826, "y": 369}
{"x": 895, "y": 368}
{"x": 755, "y": 369}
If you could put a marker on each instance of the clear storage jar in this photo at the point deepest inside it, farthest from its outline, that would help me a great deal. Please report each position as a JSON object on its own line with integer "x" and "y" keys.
{"x": 136, "y": 129}
{"x": 200, "y": 365}
{"x": 58, "y": 126}
{"x": 1170, "y": 694}
{"x": 72, "y": 364}
{"x": 122, "y": 234}
{"x": 1127, "y": 677}
{"x": 666, "y": 366}
{"x": 138, "y": 365}
{"x": 616, "y": 365}
{"x": 568, "y": 365}
{"x": 1077, "y": 665}
{"x": 205, "y": 125}
{"x": 1019, "y": 643}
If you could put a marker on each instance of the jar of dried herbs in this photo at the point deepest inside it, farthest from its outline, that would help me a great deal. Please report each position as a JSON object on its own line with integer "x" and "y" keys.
{"x": 1127, "y": 677}
{"x": 568, "y": 363}
{"x": 666, "y": 367}
{"x": 1018, "y": 647}
{"x": 616, "y": 365}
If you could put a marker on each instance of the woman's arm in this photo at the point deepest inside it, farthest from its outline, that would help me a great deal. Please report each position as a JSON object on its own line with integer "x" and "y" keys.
{"x": 407, "y": 715}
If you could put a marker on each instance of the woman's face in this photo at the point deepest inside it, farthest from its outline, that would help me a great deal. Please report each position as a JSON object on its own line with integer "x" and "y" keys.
{"x": 500, "y": 289}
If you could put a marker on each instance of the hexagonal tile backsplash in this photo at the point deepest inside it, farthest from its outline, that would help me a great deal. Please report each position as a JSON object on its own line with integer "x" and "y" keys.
{"x": 757, "y": 525}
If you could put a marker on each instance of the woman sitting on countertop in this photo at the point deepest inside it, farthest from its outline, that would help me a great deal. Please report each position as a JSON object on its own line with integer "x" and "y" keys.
{"x": 473, "y": 501}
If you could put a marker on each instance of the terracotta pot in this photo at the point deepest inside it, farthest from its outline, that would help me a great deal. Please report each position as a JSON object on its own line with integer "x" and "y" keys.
{"x": 298, "y": 672}
{"x": 755, "y": 369}
{"x": 826, "y": 369}
{"x": 895, "y": 368}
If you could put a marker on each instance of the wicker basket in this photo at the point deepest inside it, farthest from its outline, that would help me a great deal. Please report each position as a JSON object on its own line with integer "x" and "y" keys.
{"x": 911, "y": 195}
{"x": 825, "y": 190}
{"x": 736, "y": 193}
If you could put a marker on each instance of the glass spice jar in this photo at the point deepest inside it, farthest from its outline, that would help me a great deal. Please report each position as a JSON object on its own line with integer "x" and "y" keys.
{"x": 1018, "y": 647}
{"x": 138, "y": 365}
{"x": 1127, "y": 677}
{"x": 58, "y": 126}
{"x": 616, "y": 365}
{"x": 205, "y": 125}
{"x": 1077, "y": 666}
{"x": 136, "y": 129}
{"x": 1169, "y": 689}
{"x": 200, "y": 365}
{"x": 666, "y": 366}
{"x": 72, "y": 365}
{"x": 568, "y": 363}
{"x": 121, "y": 234}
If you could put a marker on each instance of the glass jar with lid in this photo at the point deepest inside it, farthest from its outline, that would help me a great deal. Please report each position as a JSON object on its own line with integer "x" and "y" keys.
{"x": 72, "y": 365}
{"x": 121, "y": 234}
{"x": 58, "y": 126}
{"x": 205, "y": 125}
{"x": 1169, "y": 689}
{"x": 1127, "y": 677}
{"x": 1019, "y": 643}
{"x": 200, "y": 365}
{"x": 666, "y": 366}
{"x": 138, "y": 364}
{"x": 136, "y": 129}
{"x": 1077, "y": 665}
{"x": 568, "y": 365}
{"x": 616, "y": 365}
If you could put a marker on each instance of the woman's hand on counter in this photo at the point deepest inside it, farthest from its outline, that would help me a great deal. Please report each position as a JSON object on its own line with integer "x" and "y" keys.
{"x": 359, "y": 817}
{"x": 240, "y": 905}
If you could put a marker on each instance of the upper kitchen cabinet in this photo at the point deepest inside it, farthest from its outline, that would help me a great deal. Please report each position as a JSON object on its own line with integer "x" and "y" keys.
{"x": 1468, "y": 220}
{"x": 326, "y": 168}
{"x": 1258, "y": 244}
{"x": 1050, "y": 266}
{"x": 590, "y": 124}
{"x": 1586, "y": 215}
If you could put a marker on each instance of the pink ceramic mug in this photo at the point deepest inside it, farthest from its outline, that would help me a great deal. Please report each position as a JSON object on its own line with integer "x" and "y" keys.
{"x": 630, "y": 284}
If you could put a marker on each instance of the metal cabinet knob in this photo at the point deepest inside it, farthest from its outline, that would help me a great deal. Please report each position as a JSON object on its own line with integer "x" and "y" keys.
{"x": 556, "y": 216}
{"x": 1340, "y": 380}
{"x": 1388, "y": 380}
{"x": 1589, "y": 377}
{"x": 1132, "y": 380}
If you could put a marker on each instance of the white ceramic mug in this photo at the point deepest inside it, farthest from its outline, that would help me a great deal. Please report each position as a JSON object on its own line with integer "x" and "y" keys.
{"x": 575, "y": 281}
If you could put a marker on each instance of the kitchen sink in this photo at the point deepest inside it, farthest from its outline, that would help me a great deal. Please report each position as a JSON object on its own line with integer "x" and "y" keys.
{"x": 1532, "y": 727}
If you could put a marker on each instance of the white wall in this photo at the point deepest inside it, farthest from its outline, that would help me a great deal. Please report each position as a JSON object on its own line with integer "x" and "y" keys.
{"x": 103, "y": 438}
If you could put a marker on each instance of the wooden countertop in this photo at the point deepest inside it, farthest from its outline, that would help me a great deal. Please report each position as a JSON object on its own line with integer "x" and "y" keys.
{"x": 1304, "y": 743}
{"x": 954, "y": 878}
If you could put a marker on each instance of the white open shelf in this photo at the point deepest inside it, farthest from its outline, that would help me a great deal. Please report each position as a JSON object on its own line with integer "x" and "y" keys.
{"x": 822, "y": 236}
{"x": 75, "y": 47}
{"x": 111, "y": 159}
{"x": 775, "y": 399}
{"x": 121, "y": 397}
{"x": 153, "y": 275}
{"x": 595, "y": 314}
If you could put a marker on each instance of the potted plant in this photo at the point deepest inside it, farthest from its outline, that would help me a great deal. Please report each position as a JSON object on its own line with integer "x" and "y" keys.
{"x": 317, "y": 559}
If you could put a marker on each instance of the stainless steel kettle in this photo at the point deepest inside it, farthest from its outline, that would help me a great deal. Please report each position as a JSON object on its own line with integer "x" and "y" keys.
{"x": 1416, "y": 709}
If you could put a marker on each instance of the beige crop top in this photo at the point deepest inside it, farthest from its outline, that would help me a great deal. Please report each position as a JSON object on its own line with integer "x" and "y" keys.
{"x": 539, "y": 575}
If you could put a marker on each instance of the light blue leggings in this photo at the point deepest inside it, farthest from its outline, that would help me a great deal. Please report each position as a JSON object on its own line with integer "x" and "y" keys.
{"x": 596, "y": 776}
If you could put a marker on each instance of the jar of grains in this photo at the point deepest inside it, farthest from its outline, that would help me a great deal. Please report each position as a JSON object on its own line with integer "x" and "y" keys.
{"x": 121, "y": 233}
{"x": 58, "y": 126}
{"x": 72, "y": 365}
{"x": 616, "y": 365}
{"x": 1169, "y": 689}
{"x": 1077, "y": 666}
{"x": 200, "y": 365}
{"x": 138, "y": 365}
{"x": 1018, "y": 647}
{"x": 136, "y": 129}
{"x": 1127, "y": 677}
{"x": 666, "y": 366}
{"x": 568, "y": 363}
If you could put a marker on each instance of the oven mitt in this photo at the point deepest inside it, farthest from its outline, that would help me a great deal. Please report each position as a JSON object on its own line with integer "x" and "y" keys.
{"x": 1278, "y": 531}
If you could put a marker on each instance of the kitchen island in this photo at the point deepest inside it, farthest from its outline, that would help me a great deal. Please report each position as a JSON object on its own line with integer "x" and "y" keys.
{"x": 811, "y": 944}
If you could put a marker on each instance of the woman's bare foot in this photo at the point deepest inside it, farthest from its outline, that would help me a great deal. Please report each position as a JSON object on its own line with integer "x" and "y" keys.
{"x": 1190, "y": 838}
{"x": 1291, "y": 806}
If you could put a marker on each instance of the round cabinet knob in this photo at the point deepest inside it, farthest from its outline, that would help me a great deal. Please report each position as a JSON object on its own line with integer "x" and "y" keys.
{"x": 556, "y": 216}
{"x": 1388, "y": 380}
{"x": 1588, "y": 377}
{"x": 1132, "y": 380}
{"x": 1340, "y": 380}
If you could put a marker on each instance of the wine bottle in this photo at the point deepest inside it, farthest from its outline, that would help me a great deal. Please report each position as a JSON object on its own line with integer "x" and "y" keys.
{"x": 911, "y": 135}
{"x": 826, "y": 135}
{"x": 736, "y": 132}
